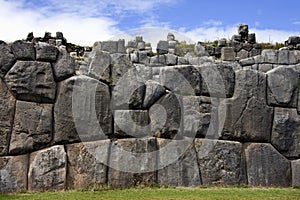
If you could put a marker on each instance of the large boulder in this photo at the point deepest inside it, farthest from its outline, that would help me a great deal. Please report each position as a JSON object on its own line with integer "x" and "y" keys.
{"x": 132, "y": 162}
{"x": 23, "y": 50}
{"x": 266, "y": 166}
{"x": 220, "y": 162}
{"x": 286, "y": 132}
{"x": 7, "y": 111}
{"x": 295, "y": 172}
{"x": 64, "y": 67}
{"x": 162, "y": 47}
{"x": 13, "y": 173}
{"x": 200, "y": 50}
{"x": 177, "y": 163}
{"x": 248, "y": 117}
{"x": 48, "y": 169}
{"x": 32, "y": 127}
{"x": 270, "y": 56}
{"x": 46, "y": 52}
{"x": 87, "y": 164}
{"x": 99, "y": 67}
{"x": 154, "y": 91}
{"x": 7, "y": 58}
{"x": 82, "y": 110}
{"x": 32, "y": 81}
{"x": 283, "y": 87}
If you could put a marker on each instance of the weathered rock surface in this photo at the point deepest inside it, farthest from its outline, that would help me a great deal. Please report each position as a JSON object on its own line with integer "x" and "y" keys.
{"x": 283, "y": 87}
{"x": 228, "y": 54}
{"x": 295, "y": 172}
{"x": 199, "y": 50}
{"x": 283, "y": 57}
{"x": 87, "y": 164}
{"x": 248, "y": 117}
{"x": 64, "y": 67}
{"x": 177, "y": 163}
{"x": 32, "y": 81}
{"x": 188, "y": 80}
{"x": 32, "y": 127}
{"x": 46, "y": 52}
{"x": 270, "y": 56}
{"x": 267, "y": 167}
{"x": 220, "y": 162}
{"x": 13, "y": 173}
{"x": 23, "y": 50}
{"x": 82, "y": 111}
{"x": 286, "y": 132}
{"x": 47, "y": 170}
{"x": 132, "y": 162}
{"x": 162, "y": 47}
{"x": 100, "y": 65}
{"x": 7, "y": 58}
{"x": 154, "y": 91}
{"x": 218, "y": 80}
{"x": 7, "y": 110}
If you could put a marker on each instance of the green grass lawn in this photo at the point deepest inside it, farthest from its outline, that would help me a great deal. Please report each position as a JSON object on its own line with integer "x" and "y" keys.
{"x": 164, "y": 193}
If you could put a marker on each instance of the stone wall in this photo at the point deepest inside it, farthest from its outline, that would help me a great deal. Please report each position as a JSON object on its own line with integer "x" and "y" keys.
{"x": 127, "y": 119}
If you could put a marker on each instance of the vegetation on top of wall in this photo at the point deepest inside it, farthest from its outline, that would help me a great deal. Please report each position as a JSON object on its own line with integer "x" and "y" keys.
{"x": 182, "y": 48}
{"x": 275, "y": 46}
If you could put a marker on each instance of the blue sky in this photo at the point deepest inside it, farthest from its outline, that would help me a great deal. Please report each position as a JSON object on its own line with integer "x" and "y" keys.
{"x": 84, "y": 22}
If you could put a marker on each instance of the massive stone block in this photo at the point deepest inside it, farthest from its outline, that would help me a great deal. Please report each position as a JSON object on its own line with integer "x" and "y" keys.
{"x": 283, "y": 57}
{"x": 32, "y": 127}
{"x": 7, "y": 110}
{"x": 64, "y": 67}
{"x": 220, "y": 162}
{"x": 100, "y": 65}
{"x": 177, "y": 163}
{"x": 7, "y": 58}
{"x": 248, "y": 117}
{"x": 270, "y": 56}
{"x": 228, "y": 54}
{"x": 286, "y": 132}
{"x": 162, "y": 47}
{"x": 32, "y": 81}
{"x": 87, "y": 164}
{"x": 132, "y": 162}
{"x": 283, "y": 87}
{"x": 23, "y": 50}
{"x": 13, "y": 173}
{"x": 218, "y": 79}
{"x": 154, "y": 91}
{"x": 47, "y": 170}
{"x": 267, "y": 167}
{"x": 187, "y": 82}
{"x": 295, "y": 172}
{"x": 82, "y": 111}
{"x": 46, "y": 52}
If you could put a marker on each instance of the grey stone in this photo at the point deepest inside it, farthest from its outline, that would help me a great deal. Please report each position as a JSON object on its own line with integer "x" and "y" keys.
{"x": 82, "y": 111}
{"x": 252, "y": 38}
{"x": 294, "y": 57}
{"x": 32, "y": 127}
{"x": 64, "y": 67}
{"x": 46, "y": 52}
{"x": 228, "y": 54}
{"x": 154, "y": 91}
{"x": 286, "y": 132}
{"x": 243, "y": 31}
{"x": 183, "y": 170}
{"x": 7, "y": 111}
{"x": 242, "y": 54}
{"x": 109, "y": 46}
{"x": 139, "y": 38}
{"x": 182, "y": 61}
{"x": 132, "y": 163}
{"x": 283, "y": 57}
{"x": 47, "y": 170}
{"x": 246, "y": 46}
{"x": 131, "y": 123}
{"x": 171, "y": 37}
{"x": 13, "y": 173}
{"x": 167, "y": 122}
{"x": 172, "y": 44}
{"x": 171, "y": 59}
{"x": 162, "y": 47}
{"x": 237, "y": 38}
{"x": 159, "y": 60}
{"x": 87, "y": 164}
{"x": 134, "y": 57}
{"x": 259, "y": 59}
{"x": 141, "y": 45}
{"x": 248, "y": 117}
{"x": 143, "y": 58}
{"x": 121, "y": 46}
{"x": 187, "y": 81}
{"x": 218, "y": 79}
{"x": 293, "y": 40}
{"x": 32, "y": 81}
{"x": 220, "y": 162}
{"x": 144, "y": 72}
{"x": 265, "y": 67}
{"x": 222, "y": 42}
{"x": 7, "y": 58}
{"x": 210, "y": 50}
{"x": 23, "y": 50}
{"x": 247, "y": 61}
{"x": 120, "y": 66}
{"x": 193, "y": 61}
{"x": 267, "y": 167}
{"x": 99, "y": 67}
{"x": 199, "y": 50}
{"x": 132, "y": 44}
{"x": 270, "y": 56}
{"x": 295, "y": 172}
{"x": 283, "y": 87}
{"x": 254, "y": 52}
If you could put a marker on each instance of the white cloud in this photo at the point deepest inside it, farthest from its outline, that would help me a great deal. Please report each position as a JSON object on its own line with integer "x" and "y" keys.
{"x": 212, "y": 22}
{"x": 296, "y": 22}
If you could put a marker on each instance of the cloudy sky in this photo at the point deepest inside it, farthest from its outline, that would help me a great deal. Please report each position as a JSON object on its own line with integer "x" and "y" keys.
{"x": 85, "y": 21}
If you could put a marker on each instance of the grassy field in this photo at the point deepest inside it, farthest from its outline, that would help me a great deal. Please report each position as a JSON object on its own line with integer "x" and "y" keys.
{"x": 164, "y": 193}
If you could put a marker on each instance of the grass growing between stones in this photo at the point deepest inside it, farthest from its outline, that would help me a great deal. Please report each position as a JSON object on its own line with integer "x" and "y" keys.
{"x": 163, "y": 193}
